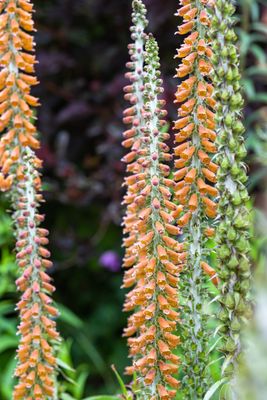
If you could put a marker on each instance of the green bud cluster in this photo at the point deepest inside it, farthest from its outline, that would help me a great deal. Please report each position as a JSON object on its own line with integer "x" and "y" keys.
{"x": 233, "y": 232}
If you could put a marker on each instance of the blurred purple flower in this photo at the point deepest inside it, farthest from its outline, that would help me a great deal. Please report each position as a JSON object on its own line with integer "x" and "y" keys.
{"x": 110, "y": 260}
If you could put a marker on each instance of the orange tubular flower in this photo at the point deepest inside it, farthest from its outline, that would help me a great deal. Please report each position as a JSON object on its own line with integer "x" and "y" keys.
{"x": 153, "y": 258}
{"x": 133, "y": 117}
{"x": 17, "y": 62}
{"x": 195, "y": 176}
{"x": 19, "y": 175}
{"x": 36, "y": 361}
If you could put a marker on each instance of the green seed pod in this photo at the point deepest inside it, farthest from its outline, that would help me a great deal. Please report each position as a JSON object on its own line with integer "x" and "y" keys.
{"x": 232, "y": 144}
{"x": 225, "y": 164}
{"x": 230, "y": 345}
{"x": 228, "y": 120}
{"x": 238, "y": 127}
{"x": 233, "y": 263}
{"x": 239, "y": 222}
{"x": 241, "y": 307}
{"x": 236, "y": 199}
{"x": 235, "y": 169}
{"x": 223, "y": 315}
{"x": 224, "y": 252}
{"x": 236, "y": 100}
{"x": 224, "y": 274}
{"x": 229, "y": 75}
{"x": 244, "y": 286}
{"x": 233, "y": 232}
{"x": 229, "y": 301}
{"x": 236, "y": 325}
{"x": 244, "y": 265}
{"x": 242, "y": 244}
{"x": 231, "y": 235}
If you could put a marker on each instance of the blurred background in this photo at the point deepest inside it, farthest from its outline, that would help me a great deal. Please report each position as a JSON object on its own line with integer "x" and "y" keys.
{"x": 82, "y": 51}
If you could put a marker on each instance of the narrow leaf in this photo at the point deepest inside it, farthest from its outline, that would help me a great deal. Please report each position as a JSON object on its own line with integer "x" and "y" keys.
{"x": 214, "y": 388}
{"x": 122, "y": 385}
{"x": 102, "y": 398}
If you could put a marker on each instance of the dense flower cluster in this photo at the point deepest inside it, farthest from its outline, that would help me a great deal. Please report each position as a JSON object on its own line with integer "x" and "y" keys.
{"x": 195, "y": 174}
{"x": 36, "y": 361}
{"x": 233, "y": 231}
{"x": 20, "y": 177}
{"x": 17, "y": 62}
{"x": 133, "y": 116}
{"x": 153, "y": 257}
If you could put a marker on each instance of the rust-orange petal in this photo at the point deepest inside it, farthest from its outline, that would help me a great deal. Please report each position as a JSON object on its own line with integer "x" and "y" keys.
{"x": 36, "y": 361}
{"x": 19, "y": 174}
{"x": 153, "y": 257}
{"x": 195, "y": 176}
{"x": 15, "y": 83}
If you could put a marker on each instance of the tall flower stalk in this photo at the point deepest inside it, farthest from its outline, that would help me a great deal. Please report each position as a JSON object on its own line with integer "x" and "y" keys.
{"x": 195, "y": 173}
{"x": 36, "y": 361}
{"x": 20, "y": 178}
{"x": 133, "y": 116}
{"x": 17, "y": 61}
{"x": 153, "y": 256}
{"x": 234, "y": 219}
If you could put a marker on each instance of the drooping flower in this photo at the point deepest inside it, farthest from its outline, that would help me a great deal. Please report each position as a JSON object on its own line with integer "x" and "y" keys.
{"x": 195, "y": 174}
{"x": 233, "y": 232}
{"x": 36, "y": 360}
{"x": 17, "y": 61}
{"x": 133, "y": 116}
{"x": 153, "y": 257}
{"x": 19, "y": 176}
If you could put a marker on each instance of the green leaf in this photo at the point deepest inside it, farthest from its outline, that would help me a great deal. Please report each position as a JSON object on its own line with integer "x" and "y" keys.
{"x": 7, "y": 380}
{"x": 66, "y": 396}
{"x": 8, "y": 325}
{"x": 258, "y": 26}
{"x": 6, "y": 306}
{"x": 66, "y": 315}
{"x": 102, "y": 398}
{"x": 248, "y": 88}
{"x": 122, "y": 385}
{"x": 7, "y": 342}
{"x": 214, "y": 388}
{"x": 255, "y": 11}
{"x": 214, "y": 361}
{"x": 244, "y": 41}
{"x": 260, "y": 97}
{"x": 258, "y": 53}
{"x": 89, "y": 348}
{"x": 214, "y": 345}
{"x": 63, "y": 365}
{"x": 262, "y": 70}
{"x": 80, "y": 384}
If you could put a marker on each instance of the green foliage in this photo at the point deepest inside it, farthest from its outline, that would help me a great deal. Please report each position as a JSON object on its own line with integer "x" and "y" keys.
{"x": 102, "y": 398}
{"x": 252, "y": 33}
{"x": 8, "y": 345}
{"x": 9, "y": 341}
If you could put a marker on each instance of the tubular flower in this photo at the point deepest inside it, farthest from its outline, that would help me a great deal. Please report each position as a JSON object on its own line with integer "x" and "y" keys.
{"x": 36, "y": 361}
{"x": 133, "y": 115}
{"x": 20, "y": 177}
{"x": 17, "y": 62}
{"x": 153, "y": 256}
{"x": 195, "y": 174}
{"x": 234, "y": 222}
